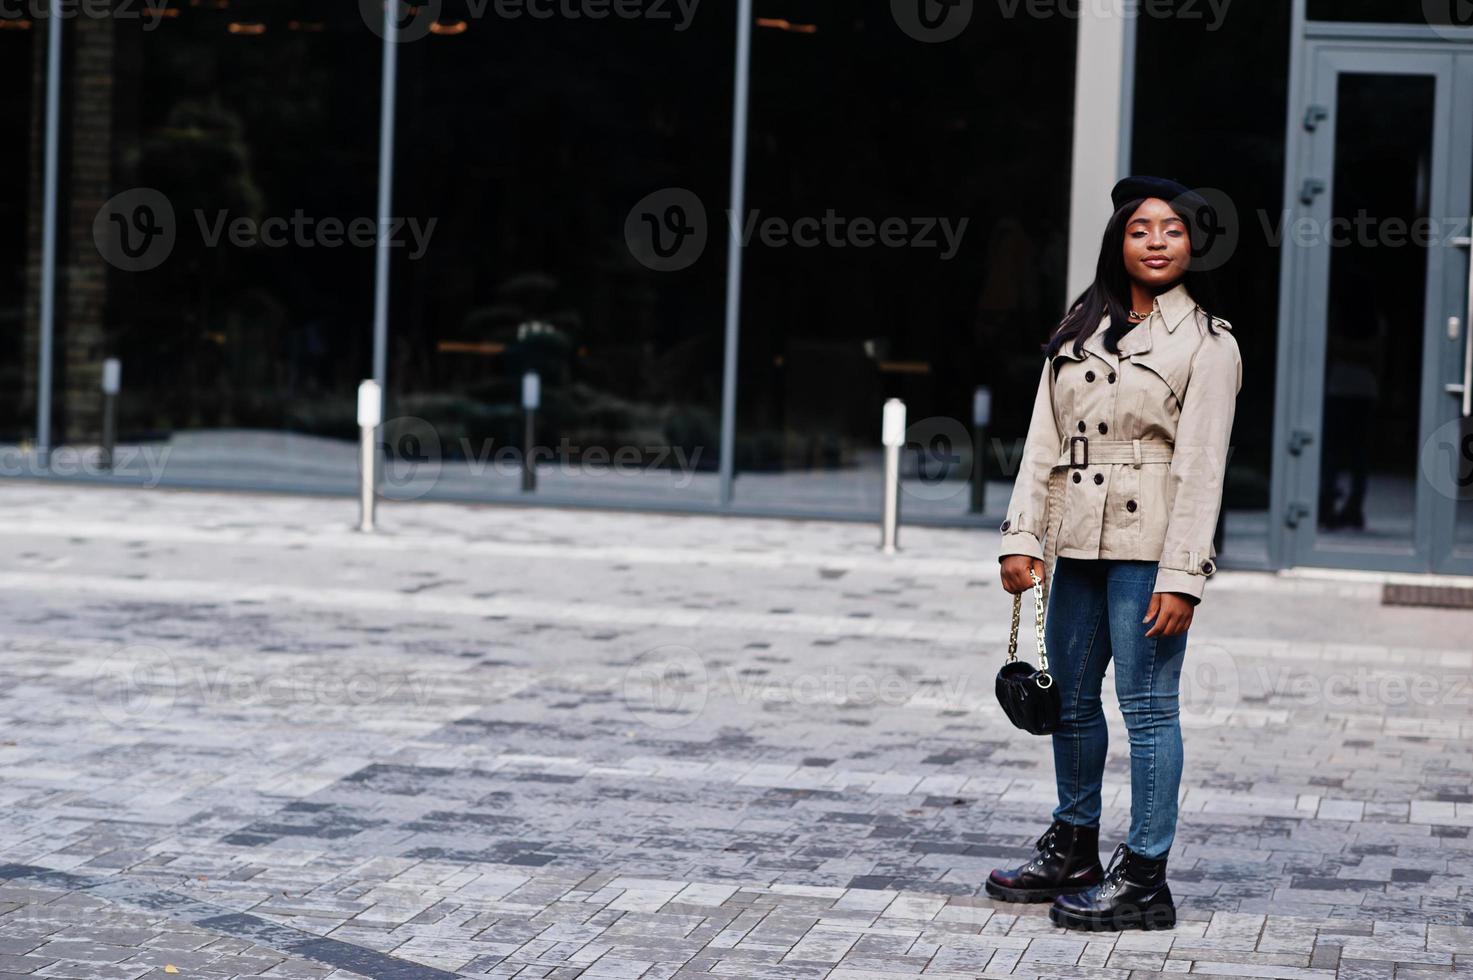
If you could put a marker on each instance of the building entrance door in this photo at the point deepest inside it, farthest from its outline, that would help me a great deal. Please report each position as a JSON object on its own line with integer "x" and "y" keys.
{"x": 1379, "y": 441}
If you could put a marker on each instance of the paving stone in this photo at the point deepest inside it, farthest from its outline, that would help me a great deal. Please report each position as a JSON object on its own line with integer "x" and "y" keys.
{"x": 500, "y": 742}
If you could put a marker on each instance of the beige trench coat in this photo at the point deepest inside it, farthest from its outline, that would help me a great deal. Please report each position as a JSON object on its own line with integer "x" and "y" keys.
{"x": 1148, "y": 432}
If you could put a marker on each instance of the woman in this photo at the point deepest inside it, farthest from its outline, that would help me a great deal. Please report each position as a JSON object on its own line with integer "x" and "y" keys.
{"x": 1122, "y": 477}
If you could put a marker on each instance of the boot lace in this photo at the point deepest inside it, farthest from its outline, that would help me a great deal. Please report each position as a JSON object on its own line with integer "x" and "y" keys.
{"x": 1042, "y": 847}
{"x": 1115, "y": 873}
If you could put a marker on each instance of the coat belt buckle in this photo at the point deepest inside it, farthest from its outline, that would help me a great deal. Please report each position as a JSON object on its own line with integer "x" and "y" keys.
{"x": 1072, "y": 441}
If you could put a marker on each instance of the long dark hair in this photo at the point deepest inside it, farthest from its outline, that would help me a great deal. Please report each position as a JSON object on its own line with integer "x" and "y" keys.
{"x": 1110, "y": 292}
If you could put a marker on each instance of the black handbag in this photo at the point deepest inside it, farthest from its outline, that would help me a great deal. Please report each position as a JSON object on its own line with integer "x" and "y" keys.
{"x": 1029, "y": 697}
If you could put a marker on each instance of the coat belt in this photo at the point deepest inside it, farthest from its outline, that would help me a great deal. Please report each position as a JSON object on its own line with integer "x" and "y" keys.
{"x": 1081, "y": 451}
{"x": 1133, "y": 451}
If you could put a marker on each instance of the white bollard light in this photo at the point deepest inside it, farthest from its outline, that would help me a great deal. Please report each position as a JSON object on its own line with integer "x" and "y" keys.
{"x": 531, "y": 401}
{"x": 112, "y": 384}
{"x": 370, "y": 416}
{"x": 892, "y": 435}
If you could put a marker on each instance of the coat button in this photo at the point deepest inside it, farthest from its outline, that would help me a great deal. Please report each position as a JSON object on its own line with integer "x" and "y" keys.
{"x": 1104, "y": 428}
{"x": 1081, "y": 425}
{"x": 1076, "y": 477}
{"x": 1099, "y": 478}
{"x": 1130, "y": 506}
{"x": 1208, "y": 567}
{"x": 1005, "y": 525}
{"x": 1089, "y": 376}
{"x": 1111, "y": 377}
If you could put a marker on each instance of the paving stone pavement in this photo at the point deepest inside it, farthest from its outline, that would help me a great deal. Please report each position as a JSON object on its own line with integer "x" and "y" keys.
{"x": 242, "y": 740}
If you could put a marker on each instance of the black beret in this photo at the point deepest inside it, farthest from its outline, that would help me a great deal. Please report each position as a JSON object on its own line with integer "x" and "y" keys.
{"x": 1180, "y": 195}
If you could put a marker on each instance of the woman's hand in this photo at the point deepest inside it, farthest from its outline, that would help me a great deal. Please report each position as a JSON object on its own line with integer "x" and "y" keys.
{"x": 1173, "y": 614}
{"x": 1015, "y": 572}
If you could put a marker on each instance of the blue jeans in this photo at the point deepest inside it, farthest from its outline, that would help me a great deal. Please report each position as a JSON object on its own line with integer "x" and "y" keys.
{"x": 1095, "y": 609}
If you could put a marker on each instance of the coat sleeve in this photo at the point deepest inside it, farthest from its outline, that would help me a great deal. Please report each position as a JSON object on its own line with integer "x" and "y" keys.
{"x": 1023, "y": 525}
{"x": 1199, "y": 465}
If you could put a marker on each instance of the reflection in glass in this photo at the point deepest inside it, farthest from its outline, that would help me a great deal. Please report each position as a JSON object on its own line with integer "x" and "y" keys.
{"x": 214, "y": 162}
{"x": 1462, "y": 462}
{"x": 1229, "y": 141}
{"x": 21, "y": 53}
{"x": 1375, "y": 307}
{"x": 908, "y": 223}
{"x": 563, "y": 160}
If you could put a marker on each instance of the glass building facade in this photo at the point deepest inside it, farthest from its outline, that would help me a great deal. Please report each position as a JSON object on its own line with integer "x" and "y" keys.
{"x": 561, "y": 204}
{"x": 234, "y": 146}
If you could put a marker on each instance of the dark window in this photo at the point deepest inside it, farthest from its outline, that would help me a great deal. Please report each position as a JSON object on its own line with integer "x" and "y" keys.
{"x": 1228, "y": 137}
{"x": 248, "y": 133}
{"x": 964, "y": 146}
{"x": 540, "y": 146}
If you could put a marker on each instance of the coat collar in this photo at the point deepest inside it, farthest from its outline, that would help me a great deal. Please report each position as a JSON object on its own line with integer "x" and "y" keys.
{"x": 1175, "y": 305}
{"x": 1168, "y": 310}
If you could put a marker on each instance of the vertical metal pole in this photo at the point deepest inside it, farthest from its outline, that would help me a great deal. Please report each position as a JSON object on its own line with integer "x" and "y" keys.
{"x": 529, "y": 434}
{"x": 979, "y": 470}
{"x": 112, "y": 378}
{"x": 734, "y": 248}
{"x": 387, "y": 94}
{"x": 1127, "y": 91}
{"x": 893, "y": 437}
{"x": 531, "y": 401}
{"x": 890, "y": 528}
{"x": 370, "y": 416}
{"x": 109, "y": 430}
{"x": 981, "y": 418}
{"x": 47, "y": 326}
{"x": 367, "y": 464}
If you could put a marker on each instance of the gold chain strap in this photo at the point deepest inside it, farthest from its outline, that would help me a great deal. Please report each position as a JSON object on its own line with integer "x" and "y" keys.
{"x": 1046, "y": 680}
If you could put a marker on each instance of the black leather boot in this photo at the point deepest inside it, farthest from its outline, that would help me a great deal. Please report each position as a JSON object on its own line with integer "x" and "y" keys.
{"x": 1132, "y": 896}
{"x": 1066, "y": 860}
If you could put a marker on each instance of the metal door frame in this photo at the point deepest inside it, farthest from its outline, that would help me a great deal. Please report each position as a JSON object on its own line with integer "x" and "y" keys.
{"x": 1321, "y": 50}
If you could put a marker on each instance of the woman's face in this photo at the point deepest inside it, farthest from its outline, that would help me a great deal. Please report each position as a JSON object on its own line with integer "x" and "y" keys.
{"x": 1157, "y": 248}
